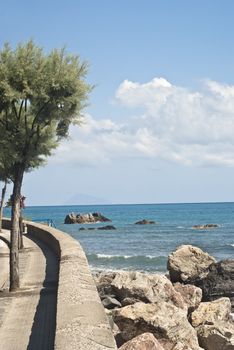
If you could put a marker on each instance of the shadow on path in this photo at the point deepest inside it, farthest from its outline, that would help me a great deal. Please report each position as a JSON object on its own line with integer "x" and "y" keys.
{"x": 44, "y": 324}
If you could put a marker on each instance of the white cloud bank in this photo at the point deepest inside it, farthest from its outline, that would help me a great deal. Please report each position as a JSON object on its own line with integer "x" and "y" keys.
{"x": 170, "y": 122}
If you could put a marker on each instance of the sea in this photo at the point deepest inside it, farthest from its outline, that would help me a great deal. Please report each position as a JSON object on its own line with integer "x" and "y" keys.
{"x": 144, "y": 247}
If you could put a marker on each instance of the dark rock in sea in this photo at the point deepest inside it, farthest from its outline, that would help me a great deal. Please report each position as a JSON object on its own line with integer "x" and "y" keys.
{"x": 81, "y": 229}
{"x": 99, "y": 217}
{"x": 108, "y": 227}
{"x": 219, "y": 282}
{"x": 70, "y": 219}
{"x": 144, "y": 222}
{"x": 204, "y": 227}
{"x": 110, "y": 303}
{"x": 85, "y": 218}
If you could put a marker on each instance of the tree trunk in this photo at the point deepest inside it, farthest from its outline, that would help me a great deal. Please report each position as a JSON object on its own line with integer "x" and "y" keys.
{"x": 15, "y": 229}
{"x": 21, "y": 230}
{"x": 2, "y": 203}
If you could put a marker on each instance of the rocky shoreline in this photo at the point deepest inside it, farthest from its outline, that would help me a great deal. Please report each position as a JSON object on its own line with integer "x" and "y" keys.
{"x": 188, "y": 309}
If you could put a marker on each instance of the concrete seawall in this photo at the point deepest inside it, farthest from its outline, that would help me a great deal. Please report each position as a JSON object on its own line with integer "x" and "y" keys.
{"x": 81, "y": 322}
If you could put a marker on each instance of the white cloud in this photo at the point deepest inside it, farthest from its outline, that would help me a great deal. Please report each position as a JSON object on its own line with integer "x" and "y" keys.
{"x": 170, "y": 122}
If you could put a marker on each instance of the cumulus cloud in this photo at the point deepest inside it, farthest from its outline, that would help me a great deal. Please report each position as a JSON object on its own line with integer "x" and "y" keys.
{"x": 170, "y": 122}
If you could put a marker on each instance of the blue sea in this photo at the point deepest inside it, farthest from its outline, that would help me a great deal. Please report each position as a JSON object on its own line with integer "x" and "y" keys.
{"x": 145, "y": 247}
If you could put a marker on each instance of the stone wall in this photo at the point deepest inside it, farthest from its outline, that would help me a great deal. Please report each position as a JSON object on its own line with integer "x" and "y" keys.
{"x": 81, "y": 322}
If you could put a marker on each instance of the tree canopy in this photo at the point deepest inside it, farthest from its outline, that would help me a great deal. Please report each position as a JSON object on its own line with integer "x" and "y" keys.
{"x": 40, "y": 96}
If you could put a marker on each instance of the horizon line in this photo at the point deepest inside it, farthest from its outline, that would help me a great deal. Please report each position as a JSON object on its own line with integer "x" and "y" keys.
{"x": 116, "y": 204}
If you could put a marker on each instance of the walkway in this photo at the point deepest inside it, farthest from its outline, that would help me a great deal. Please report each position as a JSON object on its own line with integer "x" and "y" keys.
{"x": 28, "y": 316}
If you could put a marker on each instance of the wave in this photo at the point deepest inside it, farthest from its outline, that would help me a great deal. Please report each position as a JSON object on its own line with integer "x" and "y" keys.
{"x": 127, "y": 258}
{"x": 232, "y": 245}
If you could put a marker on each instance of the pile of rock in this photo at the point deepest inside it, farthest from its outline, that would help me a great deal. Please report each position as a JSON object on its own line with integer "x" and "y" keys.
{"x": 204, "y": 227}
{"x": 145, "y": 222}
{"x": 73, "y": 218}
{"x": 149, "y": 311}
{"x": 107, "y": 227}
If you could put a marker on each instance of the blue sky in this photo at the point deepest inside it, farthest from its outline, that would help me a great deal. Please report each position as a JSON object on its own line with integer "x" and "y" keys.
{"x": 160, "y": 122}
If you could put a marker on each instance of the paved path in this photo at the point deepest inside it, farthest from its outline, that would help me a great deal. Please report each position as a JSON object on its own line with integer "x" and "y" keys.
{"x": 27, "y": 317}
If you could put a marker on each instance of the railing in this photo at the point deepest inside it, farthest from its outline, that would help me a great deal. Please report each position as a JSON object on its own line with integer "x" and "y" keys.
{"x": 48, "y": 222}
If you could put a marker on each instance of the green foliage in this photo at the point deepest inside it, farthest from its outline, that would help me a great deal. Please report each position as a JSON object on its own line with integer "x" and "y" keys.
{"x": 40, "y": 96}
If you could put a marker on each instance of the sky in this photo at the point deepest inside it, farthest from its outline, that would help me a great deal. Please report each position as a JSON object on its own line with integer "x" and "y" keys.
{"x": 159, "y": 127}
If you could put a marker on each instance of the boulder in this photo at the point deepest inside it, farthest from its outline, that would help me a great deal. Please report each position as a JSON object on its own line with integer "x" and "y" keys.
{"x": 188, "y": 263}
{"x": 129, "y": 301}
{"x": 85, "y": 218}
{"x": 108, "y": 227}
{"x": 100, "y": 218}
{"x": 191, "y": 295}
{"x": 70, "y": 218}
{"x": 103, "y": 283}
{"x": 218, "y": 336}
{"x": 145, "y": 222}
{"x": 148, "y": 288}
{"x": 144, "y": 341}
{"x": 110, "y": 302}
{"x": 210, "y": 312}
{"x": 166, "y": 322}
{"x": 204, "y": 227}
{"x": 219, "y": 281}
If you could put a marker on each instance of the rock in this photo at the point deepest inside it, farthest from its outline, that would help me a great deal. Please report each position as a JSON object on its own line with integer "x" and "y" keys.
{"x": 218, "y": 282}
{"x": 85, "y": 218}
{"x": 105, "y": 277}
{"x": 210, "y": 312}
{"x": 144, "y": 341}
{"x": 70, "y": 219}
{"x": 110, "y": 303}
{"x": 145, "y": 222}
{"x": 218, "y": 336}
{"x": 100, "y": 218}
{"x": 166, "y": 322}
{"x": 103, "y": 283}
{"x": 191, "y": 295}
{"x": 81, "y": 229}
{"x": 129, "y": 301}
{"x": 148, "y": 288}
{"x": 204, "y": 227}
{"x": 188, "y": 263}
{"x": 108, "y": 227}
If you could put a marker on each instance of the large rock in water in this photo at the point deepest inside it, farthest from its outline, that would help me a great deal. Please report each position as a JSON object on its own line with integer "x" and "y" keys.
{"x": 218, "y": 336}
{"x": 166, "y": 322}
{"x": 70, "y": 219}
{"x": 188, "y": 263}
{"x": 85, "y": 218}
{"x": 145, "y": 222}
{"x": 219, "y": 282}
{"x": 148, "y": 288}
{"x": 144, "y": 341}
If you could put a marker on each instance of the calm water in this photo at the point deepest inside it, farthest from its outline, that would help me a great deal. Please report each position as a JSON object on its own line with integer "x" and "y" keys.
{"x": 145, "y": 247}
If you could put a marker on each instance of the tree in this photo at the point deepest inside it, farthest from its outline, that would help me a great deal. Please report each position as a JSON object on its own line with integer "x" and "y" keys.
{"x": 40, "y": 96}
